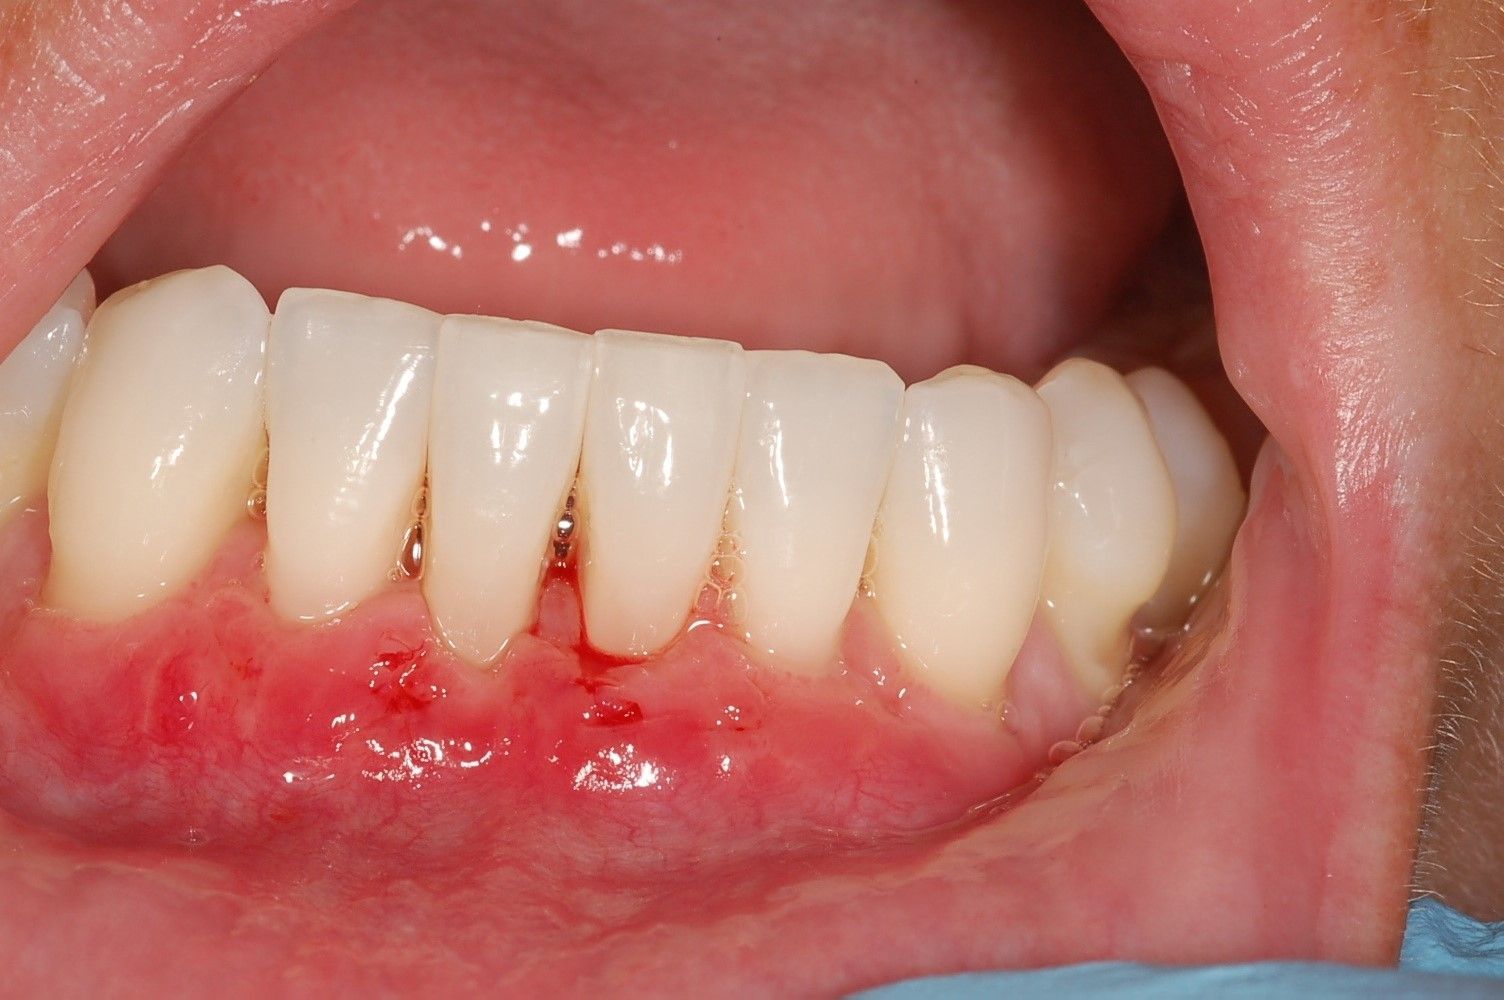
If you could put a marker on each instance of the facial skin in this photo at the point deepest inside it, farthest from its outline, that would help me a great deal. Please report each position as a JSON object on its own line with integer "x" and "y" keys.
{"x": 1341, "y": 163}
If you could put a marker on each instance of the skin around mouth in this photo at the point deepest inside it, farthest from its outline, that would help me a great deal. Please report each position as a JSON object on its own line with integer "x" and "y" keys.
{"x": 1256, "y": 797}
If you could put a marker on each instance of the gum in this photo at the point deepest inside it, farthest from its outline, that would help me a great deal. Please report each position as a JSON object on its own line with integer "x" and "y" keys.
{"x": 208, "y": 722}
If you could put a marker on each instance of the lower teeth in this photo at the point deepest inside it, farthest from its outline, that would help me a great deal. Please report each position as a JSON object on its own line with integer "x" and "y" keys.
{"x": 955, "y": 570}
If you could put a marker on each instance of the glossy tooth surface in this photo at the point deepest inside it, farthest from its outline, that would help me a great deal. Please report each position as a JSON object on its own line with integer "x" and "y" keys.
{"x": 962, "y": 532}
{"x": 34, "y": 383}
{"x": 817, "y": 442}
{"x": 349, "y": 379}
{"x": 1209, "y": 496}
{"x": 1113, "y": 517}
{"x": 504, "y": 446}
{"x": 660, "y": 441}
{"x": 158, "y": 442}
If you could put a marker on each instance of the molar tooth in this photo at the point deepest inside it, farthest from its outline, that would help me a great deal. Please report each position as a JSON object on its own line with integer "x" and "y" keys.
{"x": 1113, "y": 518}
{"x": 961, "y": 539}
{"x": 504, "y": 446}
{"x": 660, "y": 440}
{"x": 158, "y": 441}
{"x": 1208, "y": 492}
{"x": 33, "y": 389}
{"x": 349, "y": 379}
{"x": 817, "y": 442}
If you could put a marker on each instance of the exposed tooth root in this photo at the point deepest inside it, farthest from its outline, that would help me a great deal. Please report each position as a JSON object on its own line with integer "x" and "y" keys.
{"x": 816, "y": 445}
{"x": 158, "y": 441}
{"x": 1209, "y": 494}
{"x": 34, "y": 383}
{"x": 660, "y": 441}
{"x": 508, "y": 416}
{"x": 1113, "y": 519}
{"x": 962, "y": 544}
{"x": 348, "y": 388}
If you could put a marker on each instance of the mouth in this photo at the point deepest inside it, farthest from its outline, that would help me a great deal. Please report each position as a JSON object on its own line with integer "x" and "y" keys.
{"x": 332, "y": 605}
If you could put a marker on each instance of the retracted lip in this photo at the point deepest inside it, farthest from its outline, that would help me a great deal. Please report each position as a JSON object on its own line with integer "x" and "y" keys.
{"x": 1273, "y": 760}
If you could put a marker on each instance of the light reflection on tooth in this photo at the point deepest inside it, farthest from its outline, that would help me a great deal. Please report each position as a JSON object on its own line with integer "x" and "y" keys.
{"x": 349, "y": 380}
{"x": 660, "y": 440}
{"x": 34, "y": 381}
{"x": 961, "y": 542}
{"x": 504, "y": 446}
{"x": 817, "y": 441}
{"x": 1208, "y": 492}
{"x": 1113, "y": 519}
{"x": 158, "y": 441}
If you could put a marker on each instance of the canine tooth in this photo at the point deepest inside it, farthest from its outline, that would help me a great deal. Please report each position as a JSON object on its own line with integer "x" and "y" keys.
{"x": 1209, "y": 494}
{"x": 504, "y": 446}
{"x": 961, "y": 535}
{"x": 817, "y": 440}
{"x": 349, "y": 379}
{"x": 1113, "y": 518}
{"x": 660, "y": 440}
{"x": 158, "y": 441}
{"x": 33, "y": 388}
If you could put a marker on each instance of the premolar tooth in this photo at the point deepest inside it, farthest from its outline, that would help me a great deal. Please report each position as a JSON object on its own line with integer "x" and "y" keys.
{"x": 1113, "y": 519}
{"x": 158, "y": 441}
{"x": 817, "y": 442}
{"x": 961, "y": 538}
{"x": 1209, "y": 493}
{"x": 504, "y": 446}
{"x": 660, "y": 440}
{"x": 33, "y": 388}
{"x": 349, "y": 379}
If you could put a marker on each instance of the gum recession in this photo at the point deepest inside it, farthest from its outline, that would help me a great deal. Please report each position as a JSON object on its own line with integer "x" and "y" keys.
{"x": 1261, "y": 806}
{"x": 209, "y": 715}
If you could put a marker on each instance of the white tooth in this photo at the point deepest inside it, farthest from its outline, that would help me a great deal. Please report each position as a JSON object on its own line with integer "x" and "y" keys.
{"x": 33, "y": 388}
{"x": 349, "y": 379}
{"x": 817, "y": 441}
{"x": 1113, "y": 522}
{"x": 961, "y": 534}
{"x": 504, "y": 446}
{"x": 660, "y": 440}
{"x": 1208, "y": 492}
{"x": 159, "y": 441}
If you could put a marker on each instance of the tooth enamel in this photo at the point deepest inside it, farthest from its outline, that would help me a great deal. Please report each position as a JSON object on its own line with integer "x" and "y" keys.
{"x": 33, "y": 388}
{"x": 349, "y": 379}
{"x": 1113, "y": 519}
{"x": 660, "y": 440}
{"x": 961, "y": 535}
{"x": 158, "y": 441}
{"x": 504, "y": 446}
{"x": 1209, "y": 494}
{"x": 817, "y": 441}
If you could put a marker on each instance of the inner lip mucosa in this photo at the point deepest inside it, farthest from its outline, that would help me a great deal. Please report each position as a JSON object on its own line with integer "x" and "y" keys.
{"x": 653, "y": 813}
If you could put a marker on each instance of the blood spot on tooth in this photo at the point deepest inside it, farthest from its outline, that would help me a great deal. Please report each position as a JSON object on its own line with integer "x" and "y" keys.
{"x": 400, "y": 678}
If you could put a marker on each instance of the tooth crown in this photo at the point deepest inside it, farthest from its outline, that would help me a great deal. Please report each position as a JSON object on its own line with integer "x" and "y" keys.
{"x": 963, "y": 529}
{"x": 1113, "y": 517}
{"x": 349, "y": 385}
{"x": 660, "y": 440}
{"x": 504, "y": 444}
{"x": 158, "y": 439}
{"x": 34, "y": 382}
{"x": 1208, "y": 489}
{"x": 816, "y": 445}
